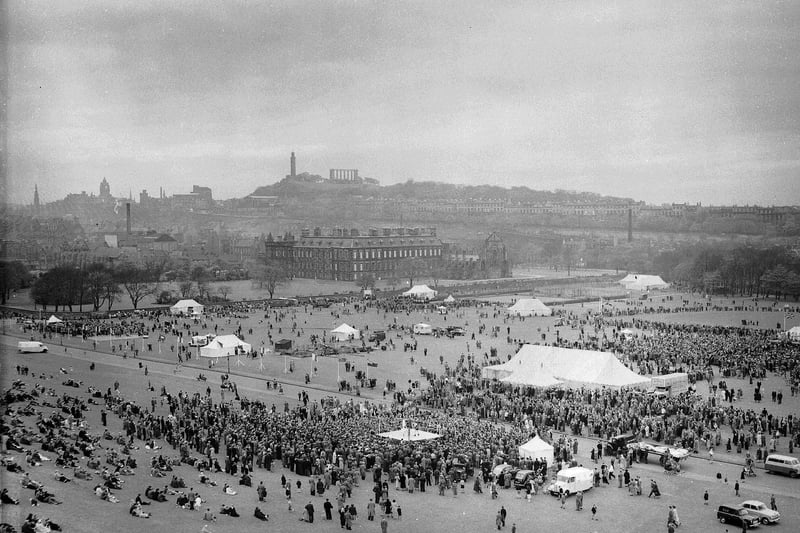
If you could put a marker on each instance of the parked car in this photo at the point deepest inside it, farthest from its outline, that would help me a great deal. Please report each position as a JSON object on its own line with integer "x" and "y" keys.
{"x": 736, "y": 514}
{"x": 31, "y": 347}
{"x": 522, "y": 478}
{"x": 762, "y": 512}
{"x": 453, "y": 331}
{"x": 782, "y": 464}
{"x": 377, "y": 336}
{"x": 620, "y": 442}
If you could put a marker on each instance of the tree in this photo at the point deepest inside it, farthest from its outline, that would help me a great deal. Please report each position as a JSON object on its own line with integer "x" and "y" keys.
{"x": 411, "y": 267}
{"x": 98, "y": 279}
{"x": 367, "y": 281}
{"x": 224, "y": 291}
{"x": 13, "y": 276}
{"x": 185, "y": 288}
{"x": 138, "y": 282}
{"x": 271, "y": 276}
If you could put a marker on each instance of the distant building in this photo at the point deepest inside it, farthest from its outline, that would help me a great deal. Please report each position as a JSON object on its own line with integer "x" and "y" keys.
{"x": 199, "y": 198}
{"x": 347, "y": 254}
{"x": 494, "y": 258}
{"x": 344, "y": 175}
{"x": 105, "y": 189}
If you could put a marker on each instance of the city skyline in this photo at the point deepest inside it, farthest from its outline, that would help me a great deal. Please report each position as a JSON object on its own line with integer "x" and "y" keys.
{"x": 677, "y": 103}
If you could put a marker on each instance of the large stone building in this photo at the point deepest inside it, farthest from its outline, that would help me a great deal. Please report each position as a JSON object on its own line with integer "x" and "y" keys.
{"x": 349, "y": 254}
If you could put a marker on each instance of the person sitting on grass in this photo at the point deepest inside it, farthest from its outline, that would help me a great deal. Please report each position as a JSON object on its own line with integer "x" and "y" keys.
{"x": 137, "y": 511}
{"x": 260, "y": 514}
{"x": 229, "y": 510}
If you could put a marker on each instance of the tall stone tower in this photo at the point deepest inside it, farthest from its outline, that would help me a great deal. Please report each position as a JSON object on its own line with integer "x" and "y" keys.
{"x": 105, "y": 189}
{"x": 36, "y": 198}
{"x": 293, "y": 166}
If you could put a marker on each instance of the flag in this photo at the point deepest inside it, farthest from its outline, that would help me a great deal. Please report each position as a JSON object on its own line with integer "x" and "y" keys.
{"x": 790, "y": 315}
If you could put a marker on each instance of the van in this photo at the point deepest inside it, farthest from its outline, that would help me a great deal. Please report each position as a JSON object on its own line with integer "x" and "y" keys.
{"x": 31, "y": 347}
{"x": 571, "y": 480}
{"x": 782, "y": 464}
{"x": 670, "y": 384}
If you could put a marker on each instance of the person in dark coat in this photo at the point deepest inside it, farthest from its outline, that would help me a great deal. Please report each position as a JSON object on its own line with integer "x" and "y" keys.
{"x": 328, "y": 506}
{"x": 310, "y": 511}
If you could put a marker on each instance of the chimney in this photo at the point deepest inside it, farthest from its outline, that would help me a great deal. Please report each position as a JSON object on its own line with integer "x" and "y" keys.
{"x": 128, "y": 217}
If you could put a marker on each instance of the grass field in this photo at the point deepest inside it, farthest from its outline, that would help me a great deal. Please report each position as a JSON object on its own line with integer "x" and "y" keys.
{"x": 618, "y": 512}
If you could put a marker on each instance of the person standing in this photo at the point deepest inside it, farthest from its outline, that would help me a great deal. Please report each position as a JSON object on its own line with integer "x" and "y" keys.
{"x": 498, "y": 520}
{"x": 705, "y": 495}
{"x": 772, "y": 504}
{"x": 384, "y": 524}
{"x": 371, "y": 510}
{"x": 310, "y": 511}
{"x": 736, "y": 488}
{"x": 594, "y": 512}
{"x": 579, "y": 501}
{"x": 503, "y": 514}
{"x": 328, "y": 506}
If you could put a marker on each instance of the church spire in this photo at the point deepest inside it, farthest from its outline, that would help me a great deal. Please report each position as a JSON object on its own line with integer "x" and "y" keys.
{"x": 36, "y": 198}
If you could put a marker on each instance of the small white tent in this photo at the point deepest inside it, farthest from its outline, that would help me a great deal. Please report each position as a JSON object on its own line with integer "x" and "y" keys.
{"x": 420, "y": 292}
{"x": 225, "y": 346}
{"x": 187, "y": 307}
{"x": 642, "y": 282}
{"x": 345, "y": 333}
{"x": 450, "y": 300}
{"x": 536, "y": 448}
{"x": 54, "y": 320}
{"x": 793, "y": 334}
{"x": 529, "y": 307}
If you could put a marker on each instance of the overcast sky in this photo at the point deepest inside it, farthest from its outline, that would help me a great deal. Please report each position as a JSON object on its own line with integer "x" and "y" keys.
{"x": 658, "y": 101}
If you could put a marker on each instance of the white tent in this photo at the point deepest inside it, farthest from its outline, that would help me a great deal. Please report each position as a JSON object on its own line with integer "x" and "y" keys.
{"x": 345, "y": 333}
{"x": 225, "y": 346}
{"x": 529, "y": 307}
{"x": 187, "y": 307}
{"x": 794, "y": 334}
{"x": 642, "y": 282}
{"x": 536, "y": 448}
{"x": 409, "y": 434}
{"x": 533, "y": 364}
{"x": 450, "y": 300}
{"x": 54, "y": 320}
{"x": 420, "y": 292}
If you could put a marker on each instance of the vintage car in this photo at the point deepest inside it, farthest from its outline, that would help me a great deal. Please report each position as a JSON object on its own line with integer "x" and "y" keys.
{"x": 736, "y": 515}
{"x": 762, "y": 512}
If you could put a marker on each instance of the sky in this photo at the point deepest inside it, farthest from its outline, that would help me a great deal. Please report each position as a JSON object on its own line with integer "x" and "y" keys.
{"x": 656, "y": 101}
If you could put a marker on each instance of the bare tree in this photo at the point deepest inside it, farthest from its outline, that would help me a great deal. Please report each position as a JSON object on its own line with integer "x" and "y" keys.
{"x": 138, "y": 282}
{"x": 185, "y": 288}
{"x": 271, "y": 276}
{"x": 224, "y": 291}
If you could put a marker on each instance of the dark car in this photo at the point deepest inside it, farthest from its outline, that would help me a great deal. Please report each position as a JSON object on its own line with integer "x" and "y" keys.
{"x": 620, "y": 442}
{"x": 454, "y": 331}
{"x": 377, "y": 336}
{"x": 523, "y": 477}
{"x": 736, "y": 514}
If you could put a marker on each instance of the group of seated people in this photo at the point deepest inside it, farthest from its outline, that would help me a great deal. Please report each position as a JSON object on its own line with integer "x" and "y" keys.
{"x": 104, "y": 493}
{"x": 189, "y": 501}
{"x": 156, "y": 494}
{"x": 136, "y": 510}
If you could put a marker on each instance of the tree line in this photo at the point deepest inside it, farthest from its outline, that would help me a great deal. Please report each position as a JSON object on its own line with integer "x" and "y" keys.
{"x": 743, "y": 269}
{"x": 95, "y": 285}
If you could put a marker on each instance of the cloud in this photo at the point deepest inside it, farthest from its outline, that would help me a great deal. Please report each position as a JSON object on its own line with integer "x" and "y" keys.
{"x": 546, "y": 94}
